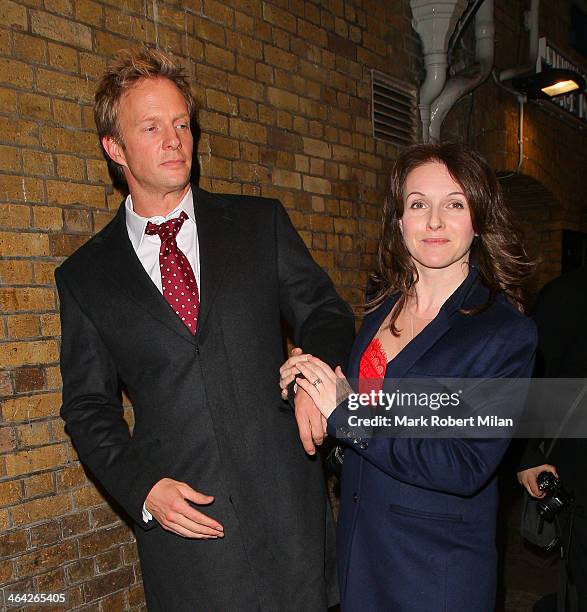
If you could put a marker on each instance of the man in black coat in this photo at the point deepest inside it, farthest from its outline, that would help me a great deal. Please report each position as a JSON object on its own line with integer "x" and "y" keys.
{"x": 180, "y": 298}
{"x": 560, "y": 316}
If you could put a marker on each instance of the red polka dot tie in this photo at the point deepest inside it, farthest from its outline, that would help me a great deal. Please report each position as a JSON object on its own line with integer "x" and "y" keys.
{"x": 180, "y": 288}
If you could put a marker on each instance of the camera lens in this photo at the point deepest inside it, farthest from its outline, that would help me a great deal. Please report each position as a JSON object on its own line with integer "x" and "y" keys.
{"x": 549, "y": 507}
{"x": 546, "y": 480}
{"x": 555, "y": 497}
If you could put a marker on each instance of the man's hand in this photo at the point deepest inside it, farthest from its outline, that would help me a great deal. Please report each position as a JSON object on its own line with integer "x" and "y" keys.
{"x": 528, "y": 478}
{"x": 311, "y": 424}
{"x": 167, "y": 503}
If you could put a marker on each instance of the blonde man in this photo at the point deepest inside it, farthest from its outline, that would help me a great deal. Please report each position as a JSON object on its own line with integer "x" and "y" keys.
{"x": 180, "y": 300}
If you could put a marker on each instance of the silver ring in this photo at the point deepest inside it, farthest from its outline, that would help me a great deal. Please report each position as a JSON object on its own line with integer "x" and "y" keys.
{"x": 317, "y": 382}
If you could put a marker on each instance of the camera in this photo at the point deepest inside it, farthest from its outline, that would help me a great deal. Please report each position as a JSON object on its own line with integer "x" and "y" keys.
{"x": 555, "y": 499}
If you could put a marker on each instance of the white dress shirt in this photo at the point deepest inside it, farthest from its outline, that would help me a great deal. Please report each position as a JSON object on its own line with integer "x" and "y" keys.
{"x": 147, "y": 248}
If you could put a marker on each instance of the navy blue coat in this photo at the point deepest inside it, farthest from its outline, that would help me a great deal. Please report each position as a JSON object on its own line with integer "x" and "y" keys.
{"x": 416, "y": 529}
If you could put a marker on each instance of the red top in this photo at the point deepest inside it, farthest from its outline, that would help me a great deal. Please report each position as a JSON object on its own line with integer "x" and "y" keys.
{"x": 372, "y": 367}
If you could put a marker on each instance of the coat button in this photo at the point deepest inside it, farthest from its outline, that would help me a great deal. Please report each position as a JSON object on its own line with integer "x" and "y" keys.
{"x": 355, "y": 497}
{"x": 197, "y": 350}
{"x": 363, "y": 446}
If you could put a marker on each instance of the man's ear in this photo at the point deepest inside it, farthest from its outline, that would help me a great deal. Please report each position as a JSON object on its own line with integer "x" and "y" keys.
{"x": 114, "y": 149}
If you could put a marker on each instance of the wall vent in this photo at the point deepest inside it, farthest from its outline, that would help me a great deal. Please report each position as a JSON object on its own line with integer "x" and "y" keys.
{"x": 393, "y": 108}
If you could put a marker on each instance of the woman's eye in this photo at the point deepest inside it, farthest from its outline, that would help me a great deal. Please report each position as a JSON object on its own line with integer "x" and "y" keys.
{"x": 417, "y": 204}
{"x": 457, "y": 204}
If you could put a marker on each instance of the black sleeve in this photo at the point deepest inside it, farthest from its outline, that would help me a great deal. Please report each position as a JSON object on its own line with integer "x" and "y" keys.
{"x": 322, "y": 323}
{"x": 533, "y": 455}
{"x": 93, "y": 412}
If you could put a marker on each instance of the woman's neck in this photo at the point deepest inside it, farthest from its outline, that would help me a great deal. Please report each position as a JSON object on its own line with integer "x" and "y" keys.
{"x": 435, "y": 286}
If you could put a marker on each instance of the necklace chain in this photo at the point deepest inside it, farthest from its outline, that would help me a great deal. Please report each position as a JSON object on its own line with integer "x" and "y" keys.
{"x": 412, "y": 316}
{"x": 407, "y": 312}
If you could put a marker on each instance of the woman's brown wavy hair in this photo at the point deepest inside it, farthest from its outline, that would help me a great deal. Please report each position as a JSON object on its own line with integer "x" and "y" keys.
{"x": 502, "y": 261}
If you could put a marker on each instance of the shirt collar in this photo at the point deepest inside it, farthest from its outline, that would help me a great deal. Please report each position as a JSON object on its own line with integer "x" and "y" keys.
{"x": 136, "y": 224}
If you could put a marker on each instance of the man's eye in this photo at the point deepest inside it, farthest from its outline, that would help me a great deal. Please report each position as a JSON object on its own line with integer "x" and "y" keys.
{"x": 151, "y": 128}
{"x": 183, "y": 126}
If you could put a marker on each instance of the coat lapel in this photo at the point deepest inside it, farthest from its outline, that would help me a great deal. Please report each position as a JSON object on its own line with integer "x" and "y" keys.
{"x": 401, "y": 365}
{"x": 371, "y": 323}
{"x": 419, "y": 346}
{"x": 435, "y": 330}
{"x": 118, "y": 260}
{"x": 216, "y": 237}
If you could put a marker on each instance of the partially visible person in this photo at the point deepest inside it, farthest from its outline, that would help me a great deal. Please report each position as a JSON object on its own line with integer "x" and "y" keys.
{"x": 417, "y": 520}
{"x": 562, "y": 353}
{"x": 181, "y": 298}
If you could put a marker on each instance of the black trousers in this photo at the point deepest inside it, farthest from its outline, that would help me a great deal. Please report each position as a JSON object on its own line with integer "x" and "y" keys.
{"x": 572, "y": 592}
{"x": 574, "y": 539}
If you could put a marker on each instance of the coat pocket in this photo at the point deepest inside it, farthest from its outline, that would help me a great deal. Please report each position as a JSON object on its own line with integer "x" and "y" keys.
{"x": 421, "y": 514}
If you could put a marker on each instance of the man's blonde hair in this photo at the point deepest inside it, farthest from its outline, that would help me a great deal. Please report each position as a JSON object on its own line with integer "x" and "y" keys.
{"x": 122, "y": 73}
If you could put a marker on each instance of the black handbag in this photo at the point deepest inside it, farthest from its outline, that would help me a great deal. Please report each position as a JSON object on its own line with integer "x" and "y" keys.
{"x": 534, "y": 528}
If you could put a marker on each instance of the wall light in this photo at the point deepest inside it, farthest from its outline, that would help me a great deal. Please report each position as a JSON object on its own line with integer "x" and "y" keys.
{"x": 549, "y": 83}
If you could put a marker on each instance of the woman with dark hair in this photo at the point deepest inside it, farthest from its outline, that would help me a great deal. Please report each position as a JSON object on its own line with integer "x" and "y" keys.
{"x": 417, "y": 516}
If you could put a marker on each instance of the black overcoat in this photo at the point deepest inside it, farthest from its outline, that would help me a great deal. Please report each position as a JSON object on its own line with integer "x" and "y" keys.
{"x": 562, "y": 353}
{"x": 207, "y": 407}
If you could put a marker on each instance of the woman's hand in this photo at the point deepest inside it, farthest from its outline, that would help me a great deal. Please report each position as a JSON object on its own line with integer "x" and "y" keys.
{"x": 288, "y": 371}
{"x": 322, "y": 384}
{"x": 528, "y": 478}
{"x": 311, "y": 424}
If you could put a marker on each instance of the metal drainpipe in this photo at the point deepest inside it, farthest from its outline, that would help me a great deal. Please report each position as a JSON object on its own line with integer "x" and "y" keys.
{"x": 510, "y": 73}
{"x": 434, "y": 20}
{"x": 436, "y": 66}
{"x": 533, "y": 18}
{"x": 462, "y": 84}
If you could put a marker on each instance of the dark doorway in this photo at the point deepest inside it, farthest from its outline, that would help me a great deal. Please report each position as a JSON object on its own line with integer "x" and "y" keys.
{"x": 574, "y": 251}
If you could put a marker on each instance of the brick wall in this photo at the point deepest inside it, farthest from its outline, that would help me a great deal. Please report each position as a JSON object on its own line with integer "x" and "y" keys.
{"x": 284, "y": 90}
{"x": 548, "y": 196}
